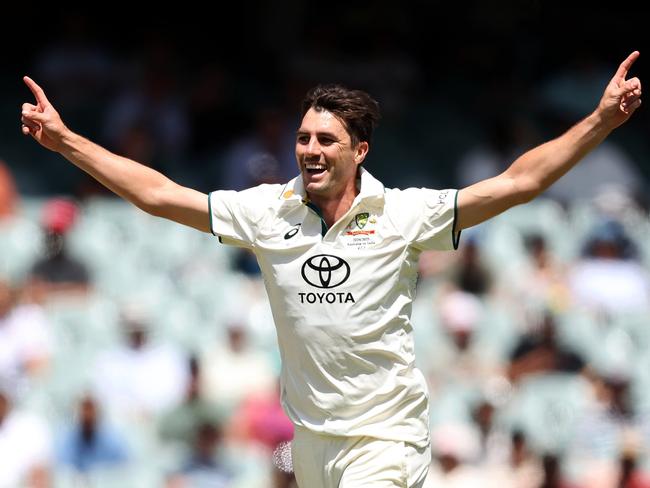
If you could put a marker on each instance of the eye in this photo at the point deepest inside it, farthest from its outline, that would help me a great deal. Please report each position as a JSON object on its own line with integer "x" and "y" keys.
{"x": 326, "y": 141}
{"x": 302, "y": 139}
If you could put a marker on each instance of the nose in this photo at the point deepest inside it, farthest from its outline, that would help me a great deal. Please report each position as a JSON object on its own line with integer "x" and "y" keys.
{"x": 313, "y": 148}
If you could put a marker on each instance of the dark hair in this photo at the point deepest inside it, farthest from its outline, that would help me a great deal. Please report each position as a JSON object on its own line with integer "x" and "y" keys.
{"x": 357, "y": 110}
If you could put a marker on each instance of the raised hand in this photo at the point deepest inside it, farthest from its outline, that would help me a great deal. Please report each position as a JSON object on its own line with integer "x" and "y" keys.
{"x": 42, "y": 121}
{"x": 622, "y": 97}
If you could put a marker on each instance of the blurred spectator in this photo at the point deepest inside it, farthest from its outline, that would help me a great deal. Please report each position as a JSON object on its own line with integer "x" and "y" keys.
{"x": 602, "y": 441}
{"x": 522, "y": 469}
{"x": 571, "y": 93}
{"x": 148, "y": 120}
{"x": 506, "y": 138}
{"x": 630, "y": 474}
{"x": 26, "y": 343}
{"x": 436, "y": 264}
{"x": 181, "y": 423}
{"x": 573, "y": 88}
{"x": 234, "y": 370}
{"x": 494, "y": 438}
{"x": 25, "y": 448}
{"x": 608, "y": 239}
{"x": 91, "y": 443}
{"x": 606, "y": 166}
{"x": 608, "y": 278}
{"x": 214, "y": 117}
{"x": 539, "y": 351}
{"x": 612, "y": 202}
{"x": 455, "y": 448}
{"x": 525, "y": 467}
{"x": 261, "y": 419}
{"x": 535, "y": 285}
{"x": 623, "y": 471}
{"x": 8, "y": 193}
{"x": 139, "y": 378}
{"x": 553, "y": 477}
{"x": 544, "y": 283}
{"x": 463, "y": 361}
{"x": 58, "y": 273}
{"x": 204, "y": 467}
{"x": 266, "y": 155}
{"x": 471, "y": 275}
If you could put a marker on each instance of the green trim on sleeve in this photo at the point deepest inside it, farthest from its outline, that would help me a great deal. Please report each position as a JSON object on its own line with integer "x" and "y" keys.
{"x": 455, "y": 235}
{"x": 210, "y": 214}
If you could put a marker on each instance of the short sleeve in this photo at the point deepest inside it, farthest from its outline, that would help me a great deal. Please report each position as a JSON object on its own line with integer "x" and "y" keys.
{"x": 235, "y": 216}
{"x": 427, "y": 218}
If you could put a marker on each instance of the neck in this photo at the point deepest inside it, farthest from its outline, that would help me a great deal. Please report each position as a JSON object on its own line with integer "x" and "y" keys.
{"x": 333, "y": 207}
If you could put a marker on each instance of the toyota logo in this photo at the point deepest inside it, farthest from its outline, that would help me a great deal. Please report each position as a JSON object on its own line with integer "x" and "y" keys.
{"x": 325, "y": 271}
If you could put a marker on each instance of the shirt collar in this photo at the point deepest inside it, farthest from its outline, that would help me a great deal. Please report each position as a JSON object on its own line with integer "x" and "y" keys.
{"x": 370, "y": 188}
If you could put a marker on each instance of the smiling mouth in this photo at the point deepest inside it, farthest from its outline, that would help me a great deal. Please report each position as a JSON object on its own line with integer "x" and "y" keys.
{"x": 315, "y": 168}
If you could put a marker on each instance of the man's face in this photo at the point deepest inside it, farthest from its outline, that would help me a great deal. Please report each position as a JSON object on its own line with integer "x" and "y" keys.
{"x": 326, "y": 158}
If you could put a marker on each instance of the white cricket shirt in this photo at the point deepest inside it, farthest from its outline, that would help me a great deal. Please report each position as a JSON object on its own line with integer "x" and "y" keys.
{"x": 341, "y": 299}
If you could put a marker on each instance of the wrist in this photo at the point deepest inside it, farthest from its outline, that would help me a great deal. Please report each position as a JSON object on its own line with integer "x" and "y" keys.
{"x": 69, "y": 141}
{"x": 600, "y": 123}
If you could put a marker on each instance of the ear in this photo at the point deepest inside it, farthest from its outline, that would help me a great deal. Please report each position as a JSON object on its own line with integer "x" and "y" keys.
{"x": 360, "y": 152}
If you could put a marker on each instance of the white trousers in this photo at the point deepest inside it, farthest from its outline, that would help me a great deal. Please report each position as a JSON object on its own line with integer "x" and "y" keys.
{"x": 324, "y": 461}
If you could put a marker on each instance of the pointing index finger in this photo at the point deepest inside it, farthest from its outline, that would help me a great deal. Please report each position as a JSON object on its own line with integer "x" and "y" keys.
{"x": 625, "y": 66}
{"x": 38, "y": 92}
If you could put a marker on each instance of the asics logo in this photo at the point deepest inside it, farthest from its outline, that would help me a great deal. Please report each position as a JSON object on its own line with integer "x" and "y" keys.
{"x": 292, "y": 232}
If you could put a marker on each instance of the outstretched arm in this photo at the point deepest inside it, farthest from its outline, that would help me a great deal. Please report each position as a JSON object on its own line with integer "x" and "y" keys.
{"x": 539, "y": 168}
{"x": 144, "y": 187}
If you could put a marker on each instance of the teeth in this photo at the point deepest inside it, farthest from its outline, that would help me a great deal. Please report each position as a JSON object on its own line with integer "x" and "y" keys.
{"x": 315, "y": 166}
